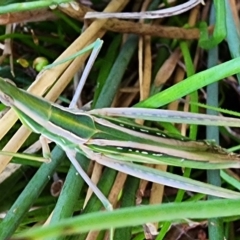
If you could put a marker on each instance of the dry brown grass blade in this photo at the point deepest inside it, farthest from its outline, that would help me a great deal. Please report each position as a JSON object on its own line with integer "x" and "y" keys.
{"x": 167, "y": 69}
{"x": 27, "y": 16}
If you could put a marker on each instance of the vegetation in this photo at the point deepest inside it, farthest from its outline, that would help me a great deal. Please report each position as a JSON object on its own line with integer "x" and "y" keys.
{"x": 176, "y": 62}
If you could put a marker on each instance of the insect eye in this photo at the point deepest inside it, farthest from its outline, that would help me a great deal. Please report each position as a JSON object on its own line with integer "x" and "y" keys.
{"x": 10, "y": 81}
{"x": 5, "y": 99}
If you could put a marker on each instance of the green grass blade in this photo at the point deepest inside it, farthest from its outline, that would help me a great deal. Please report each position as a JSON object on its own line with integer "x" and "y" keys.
{"x": 117, "y": 72}
{"x": 215, "y": 228}
{"x": 67, "y": 200}
{"x": 128, "y": 199}
{"x": 135, "y": 216}
{"x": 107, "y": 63}
{"x": 232, "y": 37}
{"x": 25, "y": 6}
{"x": 219, "y": 30}
{"x": 189, "y": 85}
{"x": 98, "y": 42}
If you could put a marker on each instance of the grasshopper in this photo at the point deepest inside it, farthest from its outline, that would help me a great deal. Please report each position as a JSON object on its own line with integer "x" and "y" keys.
{"x": 117, "y": 143}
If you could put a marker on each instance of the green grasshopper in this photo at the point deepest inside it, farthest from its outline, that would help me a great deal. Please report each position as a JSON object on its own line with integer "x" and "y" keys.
{"x": 117, "y": 143}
